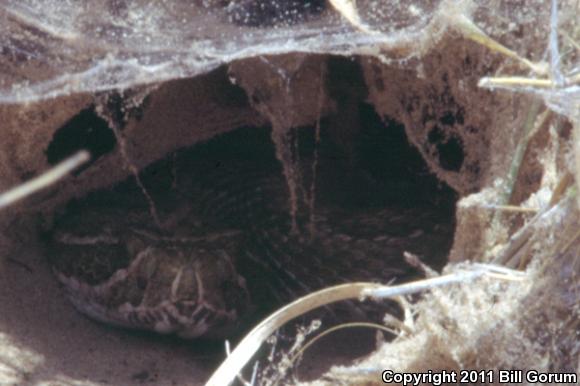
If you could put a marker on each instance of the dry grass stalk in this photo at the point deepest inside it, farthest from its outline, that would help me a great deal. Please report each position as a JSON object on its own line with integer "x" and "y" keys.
{"x": 245, "y": 350}
{"x": 44, "y": 180}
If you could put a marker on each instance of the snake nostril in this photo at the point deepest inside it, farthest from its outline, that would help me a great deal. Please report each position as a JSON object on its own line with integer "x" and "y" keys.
{"x": 141, "y": 283}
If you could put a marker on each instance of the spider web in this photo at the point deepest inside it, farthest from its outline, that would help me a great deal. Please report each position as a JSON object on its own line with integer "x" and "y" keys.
{"x": 51, "y": 48}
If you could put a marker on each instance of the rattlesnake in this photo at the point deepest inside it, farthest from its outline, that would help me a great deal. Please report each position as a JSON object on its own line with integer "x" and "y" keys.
{"x": 228, "y": 245}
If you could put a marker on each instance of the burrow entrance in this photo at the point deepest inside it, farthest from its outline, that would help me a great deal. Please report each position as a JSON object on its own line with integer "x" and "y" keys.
{"x": 370, "y": 187}
{"x": 356, "y": 179}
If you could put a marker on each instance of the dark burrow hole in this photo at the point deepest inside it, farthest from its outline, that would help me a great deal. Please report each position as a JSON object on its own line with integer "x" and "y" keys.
{"x": 86, "y": 130}
{"x": 376, "y": 171}
{"x": 449, "y": 148}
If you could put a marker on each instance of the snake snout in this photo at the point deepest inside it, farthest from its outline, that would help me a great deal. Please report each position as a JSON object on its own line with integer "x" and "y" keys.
{"x": 209, "y": 294}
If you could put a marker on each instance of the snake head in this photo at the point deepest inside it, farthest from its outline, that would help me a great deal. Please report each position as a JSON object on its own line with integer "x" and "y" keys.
{"x": 181, "y": 285}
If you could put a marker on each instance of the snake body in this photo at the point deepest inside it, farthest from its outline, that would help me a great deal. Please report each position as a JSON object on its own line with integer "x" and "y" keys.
{"x": 227, "y": 245}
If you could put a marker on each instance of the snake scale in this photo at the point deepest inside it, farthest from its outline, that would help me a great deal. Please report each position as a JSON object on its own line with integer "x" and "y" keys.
{"x": 227, "y": 245}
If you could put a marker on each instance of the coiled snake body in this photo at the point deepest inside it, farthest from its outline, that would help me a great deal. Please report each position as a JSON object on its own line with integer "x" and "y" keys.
{"x": 227, "y": 246}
